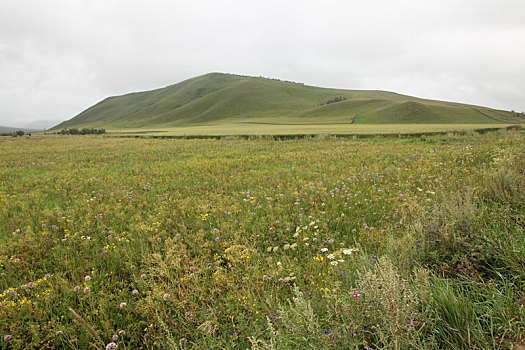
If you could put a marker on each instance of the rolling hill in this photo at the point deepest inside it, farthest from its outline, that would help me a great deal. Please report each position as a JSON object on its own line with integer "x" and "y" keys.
{"x": 218, "y": 98}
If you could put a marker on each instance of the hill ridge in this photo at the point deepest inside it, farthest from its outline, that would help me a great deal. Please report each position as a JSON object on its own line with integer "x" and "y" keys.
{"x": 218, "y": 97}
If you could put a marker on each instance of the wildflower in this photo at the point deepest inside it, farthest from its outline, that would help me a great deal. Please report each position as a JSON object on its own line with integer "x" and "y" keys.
{"x": 111, "y": 345}
{"x": 122, "y": 332}
{"x": 86, "y": 290}
{"x": 30, "y": 284}
{"x": 87, "y": 278}
{"x": 347, "y": 251}
{"x": 59, "y": 332}
{"x": 143, "y": 276}
{"x": 46, "y": 276}
{"x": 333, "y": 263}
{"x": 217, "y": 239}
{"x": 330, "y": 256}
{"x": 7, "y": 337}
{"x": 135, "y": 292}
{"x": 114, "y": 337}
{"x": 166, "y": 296}
{"x": 324, "y": 249}
{"x": 122, "y": 305}
{"x": 76, "y": 289}
{"x": 132, "y": 267}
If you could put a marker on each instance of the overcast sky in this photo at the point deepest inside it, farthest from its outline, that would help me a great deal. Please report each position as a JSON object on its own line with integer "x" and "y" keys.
{"x": 59, "y": 57}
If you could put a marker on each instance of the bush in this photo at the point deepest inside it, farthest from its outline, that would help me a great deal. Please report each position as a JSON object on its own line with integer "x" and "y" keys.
{"x": 84, "y": 131}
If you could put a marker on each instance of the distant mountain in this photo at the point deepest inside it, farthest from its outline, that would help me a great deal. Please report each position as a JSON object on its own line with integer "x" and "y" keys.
{"x": 217, "y": 98}
{"x": 43, "y": 124}
{"x": 7, "y": 129}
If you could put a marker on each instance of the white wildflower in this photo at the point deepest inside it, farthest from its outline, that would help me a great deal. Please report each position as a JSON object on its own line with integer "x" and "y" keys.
{"x": 347, "y": 251}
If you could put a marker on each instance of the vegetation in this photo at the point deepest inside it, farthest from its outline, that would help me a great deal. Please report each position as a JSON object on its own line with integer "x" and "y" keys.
{"x": 218, "y": 99}
{"x": 334, "y": 100}
{"x": 83, "y": 131}
{"x": 14, "y": 133}
{"x": 318, "y": 243}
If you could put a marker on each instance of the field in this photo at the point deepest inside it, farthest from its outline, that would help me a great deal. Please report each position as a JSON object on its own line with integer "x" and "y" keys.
{"x": 319, "y": 243}
{"x": 266, "y": 127}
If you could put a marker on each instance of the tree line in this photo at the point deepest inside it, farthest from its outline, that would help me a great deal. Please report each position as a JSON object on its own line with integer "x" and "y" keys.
{"x": 333, "y": 100}
{"x": 84, "y": 131}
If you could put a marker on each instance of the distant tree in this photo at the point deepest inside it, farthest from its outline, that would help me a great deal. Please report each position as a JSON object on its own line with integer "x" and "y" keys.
{"x": 84, "y": 131}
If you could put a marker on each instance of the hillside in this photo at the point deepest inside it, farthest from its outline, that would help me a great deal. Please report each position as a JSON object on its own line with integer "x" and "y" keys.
{"x": 217, "y": 98}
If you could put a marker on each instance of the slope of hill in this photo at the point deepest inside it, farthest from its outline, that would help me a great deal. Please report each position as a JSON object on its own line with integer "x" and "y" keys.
{"x": 224, "y": 98}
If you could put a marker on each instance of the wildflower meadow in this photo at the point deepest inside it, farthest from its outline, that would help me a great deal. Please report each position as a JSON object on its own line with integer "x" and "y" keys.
{"x": 320, "y": 243}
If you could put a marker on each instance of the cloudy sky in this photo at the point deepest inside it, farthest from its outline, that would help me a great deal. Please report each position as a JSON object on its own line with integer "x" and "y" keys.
{"x": 58, "y": 57}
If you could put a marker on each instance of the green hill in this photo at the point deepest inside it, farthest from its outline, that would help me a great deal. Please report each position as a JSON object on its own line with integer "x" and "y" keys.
{"x": 217, "y": 98}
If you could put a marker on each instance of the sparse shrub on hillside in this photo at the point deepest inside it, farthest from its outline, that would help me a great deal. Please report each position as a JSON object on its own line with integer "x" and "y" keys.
{"x": 334, "y": 100}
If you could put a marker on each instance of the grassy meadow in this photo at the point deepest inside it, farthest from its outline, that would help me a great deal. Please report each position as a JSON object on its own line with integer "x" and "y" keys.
{"x": 318, "y": 243}
{"x": 266, "y": 127}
